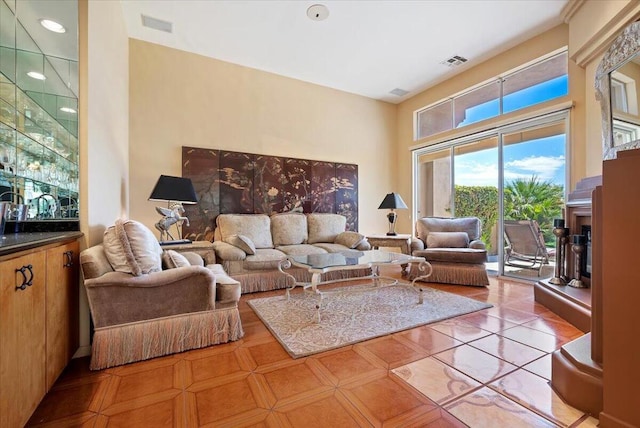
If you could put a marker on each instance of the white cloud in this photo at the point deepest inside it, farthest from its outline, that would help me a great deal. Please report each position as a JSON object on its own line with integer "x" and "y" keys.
{"x": 473, "y": 173}
{"x": 544, "y": 167}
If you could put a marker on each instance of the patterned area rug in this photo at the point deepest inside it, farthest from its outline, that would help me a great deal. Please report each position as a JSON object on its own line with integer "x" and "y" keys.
{"x": 350, "y": 317}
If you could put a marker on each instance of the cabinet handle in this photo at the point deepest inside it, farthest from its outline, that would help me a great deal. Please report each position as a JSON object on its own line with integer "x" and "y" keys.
{"x": 25, "y": 282}
{"x": 69, "y": 256}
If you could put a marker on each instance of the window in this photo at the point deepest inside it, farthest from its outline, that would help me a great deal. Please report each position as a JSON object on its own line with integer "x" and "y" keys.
{"x": 543, "y": 81}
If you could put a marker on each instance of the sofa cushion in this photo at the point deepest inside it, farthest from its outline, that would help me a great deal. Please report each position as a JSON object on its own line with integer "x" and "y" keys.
{"x": 349, "y": 239}
{"x": 453, "y": 255}
{"x": 325, "y": 227}
{"x": 331, "y": 248}
{"x": 173, "y": 259}
{"x": 256, "y": 227}
{"x": 132, "y": 248}
{"x": 300, "y": 250}
{"x": 243, "y": 242}
{"x": 288, "y": 229}
{"x": 264, "y": 258}
{"x": 426, "y": 225}
{"x": 447, "y": 240}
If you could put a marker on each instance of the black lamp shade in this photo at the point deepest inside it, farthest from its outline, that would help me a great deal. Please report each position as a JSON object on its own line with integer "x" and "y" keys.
{"x": 176, "y": 189}
{"x": 392, "y": 201}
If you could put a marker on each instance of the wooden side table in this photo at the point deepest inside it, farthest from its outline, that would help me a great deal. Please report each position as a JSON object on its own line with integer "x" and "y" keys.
{"x": 203, "y": 248}
{"x": 394, "y": 241}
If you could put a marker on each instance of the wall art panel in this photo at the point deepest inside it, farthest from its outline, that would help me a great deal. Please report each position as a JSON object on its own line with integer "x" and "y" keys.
{"x": 202, "y": 166}
{"x": 232, "y": 182}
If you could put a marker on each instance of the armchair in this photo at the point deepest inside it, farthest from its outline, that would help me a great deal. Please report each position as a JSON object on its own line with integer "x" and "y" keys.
{"x": 453, "y": 248}
{"x": 141, "y": 311}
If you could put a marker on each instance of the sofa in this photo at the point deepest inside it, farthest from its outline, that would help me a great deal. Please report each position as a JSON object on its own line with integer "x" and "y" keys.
{"x": 453, "y": 248}
{"x": 250, "y": 247}
{"x": 146, "y": 302}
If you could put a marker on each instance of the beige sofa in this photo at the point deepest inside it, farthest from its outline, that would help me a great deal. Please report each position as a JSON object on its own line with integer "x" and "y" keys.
{"x": 453, "y": 248}
{"x": 146, "y": 302}
{"x": 251, "y": 246}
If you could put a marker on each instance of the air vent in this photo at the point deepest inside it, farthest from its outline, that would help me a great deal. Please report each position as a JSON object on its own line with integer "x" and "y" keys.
{"x": 157, "y": 24}
{"x": 454, "y": 61}
{"x": 399, "y": 92}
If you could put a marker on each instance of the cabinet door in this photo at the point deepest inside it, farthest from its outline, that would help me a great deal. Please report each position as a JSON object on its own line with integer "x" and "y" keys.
{"x": 62, "y": 308}
{"x": 22, "y": 337}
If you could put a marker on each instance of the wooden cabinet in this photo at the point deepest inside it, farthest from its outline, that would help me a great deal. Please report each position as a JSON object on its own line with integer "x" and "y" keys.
{"x": 62, "y": 308}
{"x": 38, "y": 325}
{"x": 22, "y": 337}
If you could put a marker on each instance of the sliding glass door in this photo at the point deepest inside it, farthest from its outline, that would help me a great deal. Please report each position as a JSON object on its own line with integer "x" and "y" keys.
{"x": 513, "y": 178}
{"x": 534, "y": 177}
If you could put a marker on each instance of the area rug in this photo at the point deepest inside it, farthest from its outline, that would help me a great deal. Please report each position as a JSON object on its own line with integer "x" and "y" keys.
{"x": 354, "y": 316}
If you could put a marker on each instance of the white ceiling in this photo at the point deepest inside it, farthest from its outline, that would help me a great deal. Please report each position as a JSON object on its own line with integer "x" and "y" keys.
{"x": 363, "y": 47}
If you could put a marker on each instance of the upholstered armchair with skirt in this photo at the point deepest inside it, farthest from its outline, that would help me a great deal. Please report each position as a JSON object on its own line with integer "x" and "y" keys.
{"x": 146, "y": 302}
{"x": 453, "y": 248}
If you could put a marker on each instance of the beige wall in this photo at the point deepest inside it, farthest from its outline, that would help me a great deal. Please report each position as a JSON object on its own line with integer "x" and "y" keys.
{"x": 182, "y": 99}
{"x": 104, "y": 159}
{"x": 104, "y": 127}
{"x": 591, "y": 29}
{"x": 536, "y": 47}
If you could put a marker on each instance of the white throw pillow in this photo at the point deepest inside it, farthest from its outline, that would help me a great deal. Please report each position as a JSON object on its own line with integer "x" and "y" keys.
{"x": 173, "y": 259}
{"x": 349, "y": 239}
{"x": 132, "y": 248}
{"x": 242, "y": 242}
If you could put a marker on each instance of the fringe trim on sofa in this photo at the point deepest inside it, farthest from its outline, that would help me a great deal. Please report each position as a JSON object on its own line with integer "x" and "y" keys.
{"x": 255, "y": 281}
{"x": 121, "y": 344}
{"x": 455, "y": 273}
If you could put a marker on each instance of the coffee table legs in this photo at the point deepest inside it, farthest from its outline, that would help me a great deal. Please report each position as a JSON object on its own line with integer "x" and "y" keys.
{"x": 425, "y": 270}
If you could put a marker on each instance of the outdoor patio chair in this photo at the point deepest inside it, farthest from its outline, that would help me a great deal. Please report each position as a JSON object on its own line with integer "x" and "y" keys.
{"x": 525, "y": 246}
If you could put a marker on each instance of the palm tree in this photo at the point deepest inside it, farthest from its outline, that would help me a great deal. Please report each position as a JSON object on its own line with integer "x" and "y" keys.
{"x": 532, "y": 199}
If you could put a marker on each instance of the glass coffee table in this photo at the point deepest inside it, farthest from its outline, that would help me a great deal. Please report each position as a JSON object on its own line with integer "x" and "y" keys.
{"x": 318, "y": 264}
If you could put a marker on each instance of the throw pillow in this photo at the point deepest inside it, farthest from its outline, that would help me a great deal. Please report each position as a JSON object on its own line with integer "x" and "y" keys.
{"x": 242, "y": 242}
{"x": 447, "y": 240}
{"x": 349, "y": 239}
{"x": 173, "y": 259}
{"x": 132, "y": 248}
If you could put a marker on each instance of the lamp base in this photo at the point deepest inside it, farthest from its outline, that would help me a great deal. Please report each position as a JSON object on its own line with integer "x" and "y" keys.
{"x": 391, "y": 234}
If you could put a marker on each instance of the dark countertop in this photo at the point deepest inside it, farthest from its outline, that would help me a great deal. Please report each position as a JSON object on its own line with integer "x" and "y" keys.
{"x": 13, "y": 243}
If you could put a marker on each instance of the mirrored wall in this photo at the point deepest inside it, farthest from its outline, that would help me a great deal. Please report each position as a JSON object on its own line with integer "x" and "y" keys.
{"x": 38, "y": 108}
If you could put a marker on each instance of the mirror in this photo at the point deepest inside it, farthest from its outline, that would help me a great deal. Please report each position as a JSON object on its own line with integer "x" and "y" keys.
{"x": 38, "y": 109}
{"x": 618, "y": 90}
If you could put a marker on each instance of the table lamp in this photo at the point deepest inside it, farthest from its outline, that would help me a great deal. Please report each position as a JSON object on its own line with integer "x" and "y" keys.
{"x": 176, "y": 191}
{"x": 392, "y": 202}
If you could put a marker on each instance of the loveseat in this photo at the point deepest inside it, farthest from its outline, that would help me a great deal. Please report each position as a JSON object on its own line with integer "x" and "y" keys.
{"x": 146, "y": 302}
{"x": 251, "y": 246}
{"x": 453, "y": 248}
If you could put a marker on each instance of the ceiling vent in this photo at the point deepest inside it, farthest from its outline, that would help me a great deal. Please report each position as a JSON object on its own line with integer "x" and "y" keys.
{"x": 157, "y": 24}
{"x": 399, "y": 92}
{"x": 454, "y": 61}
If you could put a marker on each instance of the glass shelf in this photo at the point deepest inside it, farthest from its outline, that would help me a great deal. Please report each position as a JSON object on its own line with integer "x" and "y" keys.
{"x": 38, "y": 140}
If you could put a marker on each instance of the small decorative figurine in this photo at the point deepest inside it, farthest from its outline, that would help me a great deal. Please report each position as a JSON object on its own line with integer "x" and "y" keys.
{"x": 172, "y": 215}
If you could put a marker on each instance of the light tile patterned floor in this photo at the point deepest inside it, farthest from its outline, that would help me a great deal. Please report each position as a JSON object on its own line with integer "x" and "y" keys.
{"x": 489, "y": 368}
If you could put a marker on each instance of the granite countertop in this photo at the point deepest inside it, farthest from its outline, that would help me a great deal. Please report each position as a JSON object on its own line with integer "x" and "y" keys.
{"x": 15, "y": 242}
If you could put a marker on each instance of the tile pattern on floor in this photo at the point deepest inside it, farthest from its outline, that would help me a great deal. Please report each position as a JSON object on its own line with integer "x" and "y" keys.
{"x": 488, "y": 368}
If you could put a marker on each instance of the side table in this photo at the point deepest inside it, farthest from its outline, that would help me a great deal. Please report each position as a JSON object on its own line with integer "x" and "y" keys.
{"x": 203, "y": 248}
{"x": 394, "y": 241}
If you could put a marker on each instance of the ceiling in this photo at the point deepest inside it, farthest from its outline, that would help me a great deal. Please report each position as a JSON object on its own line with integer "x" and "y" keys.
{"x": 363, "y": 47}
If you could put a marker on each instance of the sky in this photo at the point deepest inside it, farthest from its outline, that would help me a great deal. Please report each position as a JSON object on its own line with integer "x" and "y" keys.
{"x": 544, "y": 157}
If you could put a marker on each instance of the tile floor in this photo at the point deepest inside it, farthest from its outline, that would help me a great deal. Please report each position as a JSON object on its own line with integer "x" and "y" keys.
{"x": 486, "y": 369}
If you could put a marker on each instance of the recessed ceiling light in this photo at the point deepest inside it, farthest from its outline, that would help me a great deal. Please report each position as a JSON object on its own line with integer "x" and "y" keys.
{"x": 318, "y": 12}
{"x": 36, "y": 75}
{"x": 67, "y": 110}
{"x": 53, "y": 26}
